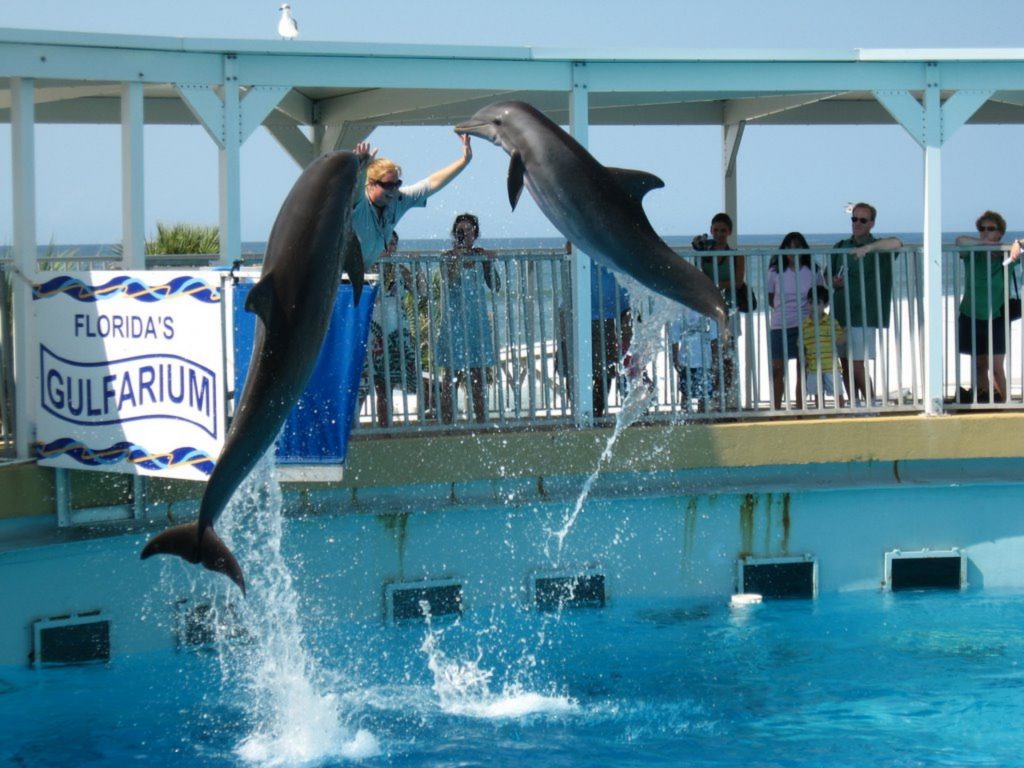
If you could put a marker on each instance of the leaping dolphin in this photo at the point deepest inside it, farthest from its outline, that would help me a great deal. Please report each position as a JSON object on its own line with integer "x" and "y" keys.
{"x": 597, "y": 208}
{"x": 310, "y": 245}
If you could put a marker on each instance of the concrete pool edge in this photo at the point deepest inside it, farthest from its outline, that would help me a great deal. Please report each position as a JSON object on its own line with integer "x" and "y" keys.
{"x": 392, "y": 472}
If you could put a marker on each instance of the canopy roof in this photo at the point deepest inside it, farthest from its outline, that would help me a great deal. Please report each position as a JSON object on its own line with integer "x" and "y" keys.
{"x": 357, "y": 86}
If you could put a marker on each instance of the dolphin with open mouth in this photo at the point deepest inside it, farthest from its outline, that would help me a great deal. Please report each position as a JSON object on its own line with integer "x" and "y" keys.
{"x": 597, "y": 208}
{"x": 310, "y": 245}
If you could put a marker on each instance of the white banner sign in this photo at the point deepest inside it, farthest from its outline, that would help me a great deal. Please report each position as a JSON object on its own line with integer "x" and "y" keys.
{"x": 131, "y": 372}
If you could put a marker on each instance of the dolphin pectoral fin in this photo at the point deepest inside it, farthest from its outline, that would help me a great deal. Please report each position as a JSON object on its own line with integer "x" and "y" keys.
{"x": 211, "y": 552}
{"x": 354, "y": 266}
{"x": 261, "y": 298}
{"x": 636, "y": 184}
{"x": 516, "y": 169}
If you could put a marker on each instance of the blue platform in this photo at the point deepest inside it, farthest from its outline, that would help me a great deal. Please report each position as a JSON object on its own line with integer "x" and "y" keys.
{"x": 318, "y": 428}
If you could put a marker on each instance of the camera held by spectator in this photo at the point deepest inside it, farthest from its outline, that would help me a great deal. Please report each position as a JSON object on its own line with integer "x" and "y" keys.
{"x": 703, "y": 243}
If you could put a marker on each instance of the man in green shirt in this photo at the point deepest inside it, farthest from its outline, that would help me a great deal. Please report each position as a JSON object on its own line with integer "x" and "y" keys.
{"x": 862, "y": 279}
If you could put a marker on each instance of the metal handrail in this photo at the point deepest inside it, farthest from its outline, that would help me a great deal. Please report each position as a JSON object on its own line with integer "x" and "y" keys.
{"x": 522, "y": 329}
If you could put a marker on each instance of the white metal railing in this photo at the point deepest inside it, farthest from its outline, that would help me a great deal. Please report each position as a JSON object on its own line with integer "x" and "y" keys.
{"x": 456, "y": 350}
{"x": 6, "y": 361}
{"x": 525, "y": 383}
{"x": 476, "y": 343}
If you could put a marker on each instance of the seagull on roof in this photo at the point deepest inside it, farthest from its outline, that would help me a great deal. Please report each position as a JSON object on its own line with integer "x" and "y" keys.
{"x": 287, "y": 27}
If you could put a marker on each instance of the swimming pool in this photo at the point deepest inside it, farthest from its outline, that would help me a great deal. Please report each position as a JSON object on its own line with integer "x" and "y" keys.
{"x": 850, "y": 678}
{"x": 854, "y": 679}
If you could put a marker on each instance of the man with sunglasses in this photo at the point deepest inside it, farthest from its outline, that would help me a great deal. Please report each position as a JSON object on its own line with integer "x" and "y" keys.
{"x": 386, "y": 200}
{"x": 862, "y": 304}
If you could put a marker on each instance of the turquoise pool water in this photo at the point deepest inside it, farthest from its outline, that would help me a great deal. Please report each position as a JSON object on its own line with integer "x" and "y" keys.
{"x": 846, "y": 680}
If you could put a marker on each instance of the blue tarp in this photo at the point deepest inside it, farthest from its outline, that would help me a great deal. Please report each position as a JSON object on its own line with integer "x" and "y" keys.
{"x": 318, "y": 428}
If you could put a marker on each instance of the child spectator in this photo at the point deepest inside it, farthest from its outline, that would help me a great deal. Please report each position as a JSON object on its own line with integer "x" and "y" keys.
{"x": 820, "y": 349}
{"x": 692, "y": 335}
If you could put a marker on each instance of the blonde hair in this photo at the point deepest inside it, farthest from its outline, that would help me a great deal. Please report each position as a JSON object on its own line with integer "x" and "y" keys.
{"x": 380, "y": 167}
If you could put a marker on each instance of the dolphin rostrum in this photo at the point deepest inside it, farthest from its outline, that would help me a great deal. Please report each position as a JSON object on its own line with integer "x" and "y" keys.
{"x": 597, "y": 208}
{"x": 310, "y": 245}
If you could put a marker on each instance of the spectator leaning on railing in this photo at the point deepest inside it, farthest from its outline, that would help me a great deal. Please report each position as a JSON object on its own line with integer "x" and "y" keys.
{"x": 863, "y": 296}
{"x": 982, "y": 306}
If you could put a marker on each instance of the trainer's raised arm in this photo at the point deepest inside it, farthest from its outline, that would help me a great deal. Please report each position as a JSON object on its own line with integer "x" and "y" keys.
{"x": 438, "y": 180}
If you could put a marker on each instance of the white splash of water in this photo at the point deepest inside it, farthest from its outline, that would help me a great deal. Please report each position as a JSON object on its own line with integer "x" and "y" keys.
{"x": 644, "y": 347}
{"x": 464, "y": 687}
{"x": 295, "y": 720}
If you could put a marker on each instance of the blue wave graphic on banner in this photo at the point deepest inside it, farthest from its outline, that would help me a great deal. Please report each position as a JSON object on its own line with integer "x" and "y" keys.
{"x": 135, "y": 454}
{"x": 130, "y": 287}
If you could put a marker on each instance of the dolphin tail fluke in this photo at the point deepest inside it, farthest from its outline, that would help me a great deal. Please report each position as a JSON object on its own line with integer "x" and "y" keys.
{"x": 209, "y": 551}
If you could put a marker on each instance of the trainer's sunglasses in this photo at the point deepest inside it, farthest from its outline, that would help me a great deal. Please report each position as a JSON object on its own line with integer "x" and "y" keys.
{"x": 859, "y": 219}
{"x": 391, "y": 185}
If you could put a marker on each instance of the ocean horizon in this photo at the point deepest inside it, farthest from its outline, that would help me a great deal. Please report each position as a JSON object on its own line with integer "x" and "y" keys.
{"x": 816, "y": 240}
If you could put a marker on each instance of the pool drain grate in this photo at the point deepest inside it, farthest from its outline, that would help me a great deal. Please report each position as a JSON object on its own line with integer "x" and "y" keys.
{"x": 555, "y": 592}
{"x": 79, "y": 638}
{"x": 925, "y": 569}
{"x": 778, "y": 577}
{"x": 415, "y": 600}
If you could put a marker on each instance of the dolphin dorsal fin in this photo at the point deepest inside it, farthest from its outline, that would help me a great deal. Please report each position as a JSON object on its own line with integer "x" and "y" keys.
{"x": 516, "y": 169}
{"x": 353, "y": 264}
{"x": 636, "y": 184}
{"x": 261, "y": 299}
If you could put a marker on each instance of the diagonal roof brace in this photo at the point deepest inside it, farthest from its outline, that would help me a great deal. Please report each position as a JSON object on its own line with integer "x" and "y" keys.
{"x": 208, "y": 108}
{"x": 905, "y": 110}
{"x": 911, "y": 114}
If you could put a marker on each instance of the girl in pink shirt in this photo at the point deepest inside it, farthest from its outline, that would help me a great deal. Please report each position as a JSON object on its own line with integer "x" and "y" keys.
{"x": 789, "y": 297}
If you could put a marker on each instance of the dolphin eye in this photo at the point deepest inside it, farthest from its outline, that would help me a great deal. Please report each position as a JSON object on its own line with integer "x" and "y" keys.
{"x": 497, "y": 121}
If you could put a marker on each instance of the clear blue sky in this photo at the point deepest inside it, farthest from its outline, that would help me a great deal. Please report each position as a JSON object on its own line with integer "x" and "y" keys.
{"x": 790, "y": 178}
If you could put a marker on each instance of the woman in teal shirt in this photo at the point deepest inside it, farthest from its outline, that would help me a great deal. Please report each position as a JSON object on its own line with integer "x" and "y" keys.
{"x": 982, "y": 306}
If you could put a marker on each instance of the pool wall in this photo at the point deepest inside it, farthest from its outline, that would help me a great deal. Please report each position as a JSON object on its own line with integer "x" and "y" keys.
{"x": 652, "y": 526}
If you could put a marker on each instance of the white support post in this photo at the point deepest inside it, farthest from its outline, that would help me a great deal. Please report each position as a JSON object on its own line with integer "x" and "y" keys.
{"x": 931, "y": 125}
{"x": 23, "y": 196}
{"x": 583, "y": 394}
{"x": 230, "y": 168}
{"x": 133, "y": 227}
{"x": 933, "y": 320}
{"x": 732, "y": 134}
